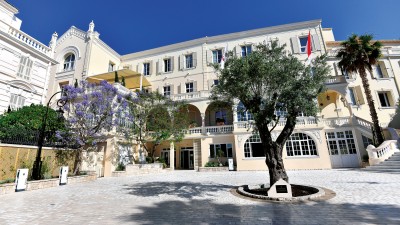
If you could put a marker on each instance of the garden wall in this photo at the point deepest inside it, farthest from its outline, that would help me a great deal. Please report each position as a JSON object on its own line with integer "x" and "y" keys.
{"x": 13, "y": 157}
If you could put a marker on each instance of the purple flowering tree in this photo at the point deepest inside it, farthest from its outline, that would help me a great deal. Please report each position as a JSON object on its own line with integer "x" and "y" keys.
{"x": 93, "y": 111}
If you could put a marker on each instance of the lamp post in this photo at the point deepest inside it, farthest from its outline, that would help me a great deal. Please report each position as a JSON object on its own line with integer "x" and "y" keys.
{"x": 38, "y": 163}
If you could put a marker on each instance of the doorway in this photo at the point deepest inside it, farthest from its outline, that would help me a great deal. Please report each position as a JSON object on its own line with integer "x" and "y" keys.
{"x": 187, "y": 158}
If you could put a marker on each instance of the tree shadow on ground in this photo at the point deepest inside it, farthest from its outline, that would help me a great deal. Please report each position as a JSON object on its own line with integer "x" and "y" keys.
{"x": 186, "y": 190}
{"x": 208, "y": 212}
{"x": 187, "y": 208}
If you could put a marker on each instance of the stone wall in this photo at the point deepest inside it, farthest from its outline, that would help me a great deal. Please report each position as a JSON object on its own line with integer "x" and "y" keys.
{"x": 14, "y": 157}
{"x": 213, "y": 169}
{"x": 40, "y": 184}
{"x": 136, "y": 169}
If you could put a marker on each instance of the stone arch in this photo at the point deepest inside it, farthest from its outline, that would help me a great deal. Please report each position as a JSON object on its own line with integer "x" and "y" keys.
{"x": 333, "y": 104}
{"x": 23, "y": 85}
{"x": 218, "y": 114}
{"x": 65, "y": 53}
{"x": 194, "y": 116}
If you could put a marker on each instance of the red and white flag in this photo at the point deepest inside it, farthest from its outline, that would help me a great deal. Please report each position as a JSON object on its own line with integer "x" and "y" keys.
{"x": 309, "y": 49}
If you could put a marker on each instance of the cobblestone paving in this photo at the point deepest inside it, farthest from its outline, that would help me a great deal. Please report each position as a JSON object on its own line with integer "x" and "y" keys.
{"x": 188, "y": 197}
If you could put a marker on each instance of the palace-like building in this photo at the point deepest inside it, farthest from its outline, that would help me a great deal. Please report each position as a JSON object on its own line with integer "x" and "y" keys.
{"x": 24, "y": 63}
{"x": 336, "y": 138}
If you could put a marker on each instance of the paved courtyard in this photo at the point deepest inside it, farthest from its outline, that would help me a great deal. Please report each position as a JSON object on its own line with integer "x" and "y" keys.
{"x": 188, "y": 197}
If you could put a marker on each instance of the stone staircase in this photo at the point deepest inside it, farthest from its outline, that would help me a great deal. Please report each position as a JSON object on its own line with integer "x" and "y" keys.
{"x": 390, "y": 165}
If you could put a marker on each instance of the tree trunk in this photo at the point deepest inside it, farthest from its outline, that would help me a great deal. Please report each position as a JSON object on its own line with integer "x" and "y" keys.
{"x": 275, "y": 165}
{"x": 374, "y": 116}
{"x": 78, "y": 161}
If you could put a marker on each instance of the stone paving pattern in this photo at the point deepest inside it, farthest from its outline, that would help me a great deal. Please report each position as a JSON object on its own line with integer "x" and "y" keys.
{"x": 188, "y": 197}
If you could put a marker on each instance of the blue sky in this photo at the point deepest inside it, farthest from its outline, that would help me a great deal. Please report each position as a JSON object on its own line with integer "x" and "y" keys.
{"x": 130, "y": 26}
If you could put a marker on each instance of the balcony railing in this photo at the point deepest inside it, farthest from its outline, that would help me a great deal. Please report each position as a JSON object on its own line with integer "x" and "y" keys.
{"x": 224, "y": 129}
{"x": 32, "y": 42}
{"x": 336, "y": 80}
{"x": 191, "y": 95}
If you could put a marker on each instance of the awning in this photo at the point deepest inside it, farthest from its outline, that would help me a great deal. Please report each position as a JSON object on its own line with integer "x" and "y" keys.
{"x": 132, "y": 78}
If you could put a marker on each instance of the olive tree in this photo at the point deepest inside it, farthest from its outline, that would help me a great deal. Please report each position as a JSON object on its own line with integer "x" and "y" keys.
{"x": 270, "y": 80}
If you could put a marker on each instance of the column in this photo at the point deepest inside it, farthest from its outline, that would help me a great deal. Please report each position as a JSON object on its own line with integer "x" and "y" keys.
{"x": 203, "y": 124}
{"x": 172, "y": 156}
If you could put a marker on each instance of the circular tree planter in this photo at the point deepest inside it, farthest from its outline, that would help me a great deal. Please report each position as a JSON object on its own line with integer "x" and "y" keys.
{"x": 300, "y": 193}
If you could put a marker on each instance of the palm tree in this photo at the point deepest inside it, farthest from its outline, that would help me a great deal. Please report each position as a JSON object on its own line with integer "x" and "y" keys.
{"x": 358, "y": 54}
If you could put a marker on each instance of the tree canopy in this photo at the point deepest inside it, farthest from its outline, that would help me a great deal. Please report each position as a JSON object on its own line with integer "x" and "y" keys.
{"x": 158, "y": 119}
{"x": 357, "y": 55}
{"x": 92, "y": 111}
{"x": 270, "y": 80}
{"x": 27, "y": 121}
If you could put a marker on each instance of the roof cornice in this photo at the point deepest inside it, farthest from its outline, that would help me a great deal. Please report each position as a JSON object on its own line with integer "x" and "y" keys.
{"x": 384, "y": 42}
{"x": 8, "y": 6}
{"x": 223, "y": 37}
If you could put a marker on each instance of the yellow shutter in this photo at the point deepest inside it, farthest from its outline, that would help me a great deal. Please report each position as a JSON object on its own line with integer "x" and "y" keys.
{"x": 359, "y": 95}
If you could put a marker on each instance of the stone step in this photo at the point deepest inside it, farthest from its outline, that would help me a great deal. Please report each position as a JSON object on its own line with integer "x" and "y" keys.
{"x": 383, "y": 171}
{"x": 389, "y": 163}
{"x": 383, "y": 167}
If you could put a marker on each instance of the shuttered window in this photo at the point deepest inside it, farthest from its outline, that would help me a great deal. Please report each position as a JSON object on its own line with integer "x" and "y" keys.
{"x": 25, "y": 67}
{"x": 17, "y": 101}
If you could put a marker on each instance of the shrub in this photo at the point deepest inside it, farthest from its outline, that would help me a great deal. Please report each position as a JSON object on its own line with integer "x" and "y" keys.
{"x": 45, "y": 170}
{"x": 162, "y": 160}
{"x": 8, "y": 180}
{"x": 211, "y": 164}
{"x": 120, "y": 167}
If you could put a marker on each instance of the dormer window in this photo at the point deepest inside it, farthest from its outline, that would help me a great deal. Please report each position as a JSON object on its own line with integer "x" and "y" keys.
{"x": 69, "y": 62}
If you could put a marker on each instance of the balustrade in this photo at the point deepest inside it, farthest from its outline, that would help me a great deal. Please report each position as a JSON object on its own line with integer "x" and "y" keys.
{"x": 32, "y": 42}
{"x": 382, "y": 152}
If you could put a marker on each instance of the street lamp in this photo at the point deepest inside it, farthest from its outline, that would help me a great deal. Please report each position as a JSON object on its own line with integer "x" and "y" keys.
{"x": 38, "y": 163}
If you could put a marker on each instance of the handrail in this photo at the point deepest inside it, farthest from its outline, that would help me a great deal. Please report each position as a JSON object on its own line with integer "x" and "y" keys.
{"x": 382, "y": 152}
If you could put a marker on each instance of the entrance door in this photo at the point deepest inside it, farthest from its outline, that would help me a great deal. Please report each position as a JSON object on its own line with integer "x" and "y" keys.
{"x": 342, "y": 149}
{"x": 187, "y": 158}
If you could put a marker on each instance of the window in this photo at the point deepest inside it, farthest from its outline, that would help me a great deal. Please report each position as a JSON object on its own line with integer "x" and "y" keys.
{"x": 225, "y": 148}
{"x": 189, "y": 87}
{"x": 366, "y": 141}
{"x": 167, "y": 91}
{"x": 217, "y": 55}
{"x": 242, "y": 113}
{"x": 246, "y": 50}
{"x": 146, "y": 69}
{"x": 69, "y": 62}
{"x": 300, "y": 144}
{"x": 220, "y": 117}
{"x": 378, "y": 71}
{"x": 303, "y": 44}
{"x": 341, "y": 143}
{"x": 111, "y": 66}
{"x": 215, "y": 82}
{"x": 385, "y": 99}
{"x": 165, "y": 155}
{"x": 25, "y": 66}
{"x": 352, "y": 97}
{"x": 167, "y": 65}
{"x": 16, "y": 101}
{"x": 253, "y": 147}
{"x": 189, "y": 61}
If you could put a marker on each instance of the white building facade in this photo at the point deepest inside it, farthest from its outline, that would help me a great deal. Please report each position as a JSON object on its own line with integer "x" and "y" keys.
{"x": 335, "y": 138}
{"x": 24, "y": 63}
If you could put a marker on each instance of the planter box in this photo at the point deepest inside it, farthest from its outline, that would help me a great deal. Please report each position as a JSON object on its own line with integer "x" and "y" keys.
{"x": 213, "y": 169}
{"x": 118, "y": 174}
{"x": 135, "y": 169}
